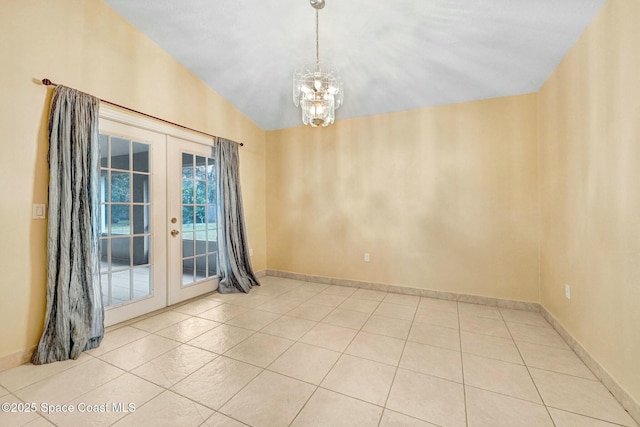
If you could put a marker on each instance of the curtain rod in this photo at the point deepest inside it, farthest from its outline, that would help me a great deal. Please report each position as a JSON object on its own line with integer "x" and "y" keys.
{"x": 48, "y": 82}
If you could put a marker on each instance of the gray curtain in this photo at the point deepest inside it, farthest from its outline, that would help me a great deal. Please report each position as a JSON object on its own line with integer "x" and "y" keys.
{"x": 74, "y": 319}
{"x": 234, "y": 265}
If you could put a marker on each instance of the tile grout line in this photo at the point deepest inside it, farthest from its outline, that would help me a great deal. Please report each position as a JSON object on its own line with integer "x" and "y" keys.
{"x": 169, "y": 389}
{"x": 342, "y": 353}
{"x": 267, "y": 368}
{"x": 74, "y": 398}
{"x": 464, "y": 385}
{"x": 501, "y": 393}
{"x": 218, "y": 356}
{"x": 150, "y": 399}
{"x": 334, "y": 364}
{"x": 48, "y": 376}
{"x": 165, "y": 389}
{"x": 590, "y": 417}
{"x": 38, "y": 412}
{"x": 520, "y": 364}
{"x": 263, "y": 369}
{"x": 304, "y": 405}
{"x": 395, "y": 373}
{"x": 529, "y": 372}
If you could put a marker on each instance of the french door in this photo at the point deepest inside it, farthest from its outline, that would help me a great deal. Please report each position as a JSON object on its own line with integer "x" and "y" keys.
{"x": 193, "y": 241}
{"x": 157, "y": 217}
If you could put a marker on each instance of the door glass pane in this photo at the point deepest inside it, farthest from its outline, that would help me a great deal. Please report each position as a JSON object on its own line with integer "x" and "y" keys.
{"x": 120, "y": 153}
{"x": 201, "y": 192}
{"x": 187, "y": 192}
{"x": 187, "y": 165}
{"x": 187, "y": 245}
{"x": 211, "y": 217}
{"x": 120, "y": 191}
{"x": 140, "y": 157}
{"x": 201, "y": 168}
{"x": 120, "y": 253}
{"x": 141, "y": 247}
{"x": 120, "y": 286}
{"x": 140, "y": 188}
{"x": 104, "y": 255}
{"x": 141, "y": 282}
{"x": 187, "y": 271}
{"x": 104, "y": 151}
{"x": 141, "y": 219}
{"x": 201, "y": 243}
{"x": 211, "y": 170}
{"x": 120, "y": 220}
{"x": 201, "y": 217}
{"x": 211, "y": 194}
{"x": 105, "y": 214}
{"x": 104, "y": 186}
{"x": 198, "y": 218}
{"x": 212, "y": 264}
{"x": 104, "y": 282}
{"x": 187, "y": 218}
{"x": 125, "y": 211}
{"x": 201, "y": 267}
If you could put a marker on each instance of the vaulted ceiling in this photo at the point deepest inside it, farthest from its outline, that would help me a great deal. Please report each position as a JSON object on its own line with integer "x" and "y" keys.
{"x": 393, "y": 55}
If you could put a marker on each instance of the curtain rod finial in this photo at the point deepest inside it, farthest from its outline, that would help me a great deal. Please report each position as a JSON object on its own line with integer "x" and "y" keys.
{"x": 47, "y": 82}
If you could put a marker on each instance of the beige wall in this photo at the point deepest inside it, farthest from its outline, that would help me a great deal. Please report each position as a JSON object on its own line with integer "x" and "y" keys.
{"x": 589, "y": 124}
{"x": 86, "y": 45}
{"x": 442, "y": 198}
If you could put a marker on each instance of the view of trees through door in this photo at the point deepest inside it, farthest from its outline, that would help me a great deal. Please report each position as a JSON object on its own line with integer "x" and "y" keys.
{"x": 158, "y": 228}
{"x": 125, "y": 209}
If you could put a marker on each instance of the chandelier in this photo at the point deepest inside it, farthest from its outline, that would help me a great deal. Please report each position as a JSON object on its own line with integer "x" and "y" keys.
{"x": 317, "y": 89}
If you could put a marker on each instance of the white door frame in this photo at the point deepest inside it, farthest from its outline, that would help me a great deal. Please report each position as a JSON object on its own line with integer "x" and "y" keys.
{"x": 168, "y": 283}
{"x": 158, "y": 248}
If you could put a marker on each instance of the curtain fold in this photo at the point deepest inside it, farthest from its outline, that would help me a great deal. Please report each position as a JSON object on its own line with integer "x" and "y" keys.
{"x": 74, "y": 320}
{"x": 234, "y": 265}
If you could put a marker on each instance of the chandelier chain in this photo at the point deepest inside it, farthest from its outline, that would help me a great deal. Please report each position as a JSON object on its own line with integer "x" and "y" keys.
{"x": 317, "y": 42}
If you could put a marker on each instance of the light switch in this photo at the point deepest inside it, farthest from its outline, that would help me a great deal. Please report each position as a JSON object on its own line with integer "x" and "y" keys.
{"x": 39, "y": 211}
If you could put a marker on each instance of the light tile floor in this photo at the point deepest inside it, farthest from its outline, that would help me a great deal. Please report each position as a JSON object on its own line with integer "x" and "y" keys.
{"x": 307, "y": 354}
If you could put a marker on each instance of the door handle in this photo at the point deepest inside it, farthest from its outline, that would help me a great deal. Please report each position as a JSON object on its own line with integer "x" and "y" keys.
{"x": 174, "y": 233}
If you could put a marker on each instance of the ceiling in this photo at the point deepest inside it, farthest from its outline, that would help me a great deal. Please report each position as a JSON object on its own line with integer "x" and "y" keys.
{"x": 393, "y": 55}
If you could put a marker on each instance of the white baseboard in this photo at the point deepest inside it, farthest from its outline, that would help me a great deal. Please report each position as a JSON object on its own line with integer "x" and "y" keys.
{"x": 16, "y": 359}
{"x": 430, "y": 293}
{"x": 621, "y": 395}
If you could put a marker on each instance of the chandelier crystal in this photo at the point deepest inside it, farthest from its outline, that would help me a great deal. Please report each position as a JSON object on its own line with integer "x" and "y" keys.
{"x": 317, "y": 89}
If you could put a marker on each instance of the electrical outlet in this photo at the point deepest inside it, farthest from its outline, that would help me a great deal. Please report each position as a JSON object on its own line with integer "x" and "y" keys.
{"x": 366, "y": 257}
{"x": 567, "y": 291}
